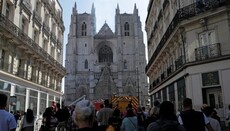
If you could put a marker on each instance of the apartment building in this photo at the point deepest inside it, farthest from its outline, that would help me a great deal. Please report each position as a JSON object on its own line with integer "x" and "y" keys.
{"x": 31, "y": 46}
{"x": 189, "y": 52}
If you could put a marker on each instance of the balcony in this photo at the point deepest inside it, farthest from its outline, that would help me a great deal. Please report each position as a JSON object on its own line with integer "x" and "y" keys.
{"x": 46, "y": 29}
{"x": 8, "y": 27}
{"x": 37, "y": 18}
{"x": 182, "y": 14}
{"x": 169, "y": 70}
{"x": 26, "y": 6}
{"x": 162, "y": 76}
{"x": 53, "y": 38}
{"x": 179, "y": 62}
{"x": 59, "y": 44}
{"x": 4, "y": 66}
{"x": 208, "y": 52}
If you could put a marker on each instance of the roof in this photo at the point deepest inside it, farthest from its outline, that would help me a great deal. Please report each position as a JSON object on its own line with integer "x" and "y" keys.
{"x": 105, "y": 32}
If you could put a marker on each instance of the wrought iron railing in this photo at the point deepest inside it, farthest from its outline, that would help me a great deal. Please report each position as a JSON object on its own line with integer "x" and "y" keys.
{"x": 37, "y": 17}
{"x": 162, "y": 76}
{"x": 53, "y": 38}
{"x": 169, "y": 70}
{"x": 26, "y": 5}
{"x": 25, "y": 39}
{"x": 179, "y": 62}
{"x": 207, "y": 52}
{"x": 46, "y": 29}
{"x": 182, "y": 14}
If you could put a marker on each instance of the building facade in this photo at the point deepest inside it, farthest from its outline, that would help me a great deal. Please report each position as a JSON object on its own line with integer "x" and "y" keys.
{"x": 105, "y": 64}
{"x": 189, "y": 52}
{"x": 31, "y": 45}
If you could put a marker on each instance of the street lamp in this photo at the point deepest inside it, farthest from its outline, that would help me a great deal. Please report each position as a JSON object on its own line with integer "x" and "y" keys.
{"x": 138, "y": 86}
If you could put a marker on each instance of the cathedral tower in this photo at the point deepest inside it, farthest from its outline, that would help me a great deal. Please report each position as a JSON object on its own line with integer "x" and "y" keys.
{"x": 103, "y": 64}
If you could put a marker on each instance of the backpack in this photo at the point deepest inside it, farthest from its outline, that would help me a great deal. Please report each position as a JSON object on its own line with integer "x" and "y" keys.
{"x": 168, "y": 126}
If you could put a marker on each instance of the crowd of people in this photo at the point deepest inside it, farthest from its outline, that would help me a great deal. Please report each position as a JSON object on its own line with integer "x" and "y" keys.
{"x": 84, "y": 117}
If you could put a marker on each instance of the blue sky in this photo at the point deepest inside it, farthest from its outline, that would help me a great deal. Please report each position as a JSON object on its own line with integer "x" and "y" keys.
{"x": 105, "y": 11}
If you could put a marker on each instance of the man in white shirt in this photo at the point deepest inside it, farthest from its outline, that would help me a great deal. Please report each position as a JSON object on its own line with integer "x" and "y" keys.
{"x": 7, "y": 121}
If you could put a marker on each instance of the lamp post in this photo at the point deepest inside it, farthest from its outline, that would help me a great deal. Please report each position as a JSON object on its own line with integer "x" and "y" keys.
{"x": 138, "y": 86}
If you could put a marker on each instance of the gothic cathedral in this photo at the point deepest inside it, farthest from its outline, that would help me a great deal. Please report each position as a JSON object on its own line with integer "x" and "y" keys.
{"x": 105, "y": 63}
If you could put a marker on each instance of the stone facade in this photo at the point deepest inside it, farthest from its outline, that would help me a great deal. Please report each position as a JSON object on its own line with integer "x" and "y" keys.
{"x": 31, "y": 46}
{"x": 104, "y": 64}
{"x": 189, "y": 52}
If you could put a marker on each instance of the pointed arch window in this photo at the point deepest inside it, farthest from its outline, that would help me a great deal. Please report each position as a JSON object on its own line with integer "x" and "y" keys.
{"x": 126, "y": 29}
{"x": 125, "y": 64}
{"x": 105, "y": 54}
{"x": 83, "y": 29}
{"x": 86, "y": 64}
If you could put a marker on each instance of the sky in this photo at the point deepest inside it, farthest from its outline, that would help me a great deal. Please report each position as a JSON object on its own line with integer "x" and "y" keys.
{"x": 105, "y": 11}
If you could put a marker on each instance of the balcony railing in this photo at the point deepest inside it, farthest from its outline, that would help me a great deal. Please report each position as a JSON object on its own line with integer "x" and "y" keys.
{"x": 182, "y": 14}
{"x": 207, "y": 52}
{"x": 37, "y": 17}
{"x": 53, "y": 38}
{"x": 179, "y": 62}
{"x": 162, "y": 76}
{"x": 46, "y": 29}
{"x": 169, "y": 70}
{"x": 59, "y": 44}
{"x": 7, "y": 25}
{"x": 4, "y": 66}
{"x": 26, "y": 5}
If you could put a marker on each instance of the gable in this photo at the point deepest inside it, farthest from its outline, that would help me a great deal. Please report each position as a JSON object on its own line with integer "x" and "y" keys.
{"x": 105, "y": 32}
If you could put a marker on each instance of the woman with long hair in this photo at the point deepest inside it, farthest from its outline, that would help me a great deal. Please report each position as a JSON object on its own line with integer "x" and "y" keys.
{"x": 28, "y": 121}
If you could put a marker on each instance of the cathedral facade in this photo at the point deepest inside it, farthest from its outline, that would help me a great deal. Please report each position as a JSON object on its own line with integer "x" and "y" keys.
{"x": 105, "y": 63}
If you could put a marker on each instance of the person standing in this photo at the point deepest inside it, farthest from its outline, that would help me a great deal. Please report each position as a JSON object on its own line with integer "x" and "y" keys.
{"x": 129, "y": 123}
{"x": 228, "y": 117}
{"x": 167, "y": 119}
{"x": 104, "y": 115}
{"x": 7, "y": 120}
{"x": 208, "y": 110}
{"x": 84, "y": 115}
{"x": 193, "y": 120}
{"x": 27, "y": 121}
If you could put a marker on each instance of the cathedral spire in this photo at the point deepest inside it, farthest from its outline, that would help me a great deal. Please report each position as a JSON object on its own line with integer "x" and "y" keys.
{"x": 118, "y": 9}
{"x": 93, "y": 9}
{"x": 135, "y": 11}
{"x": 74, "y": 8}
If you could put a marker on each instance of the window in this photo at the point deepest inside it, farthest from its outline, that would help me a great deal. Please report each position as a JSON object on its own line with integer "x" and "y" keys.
{"x": 125, "y": 64}
{"x": 126, "y": 29}
{"x": 45, "y": 44}
{"x": 164, "y": 91}
{"x": 171, "y": 93}
{"x": 206, "y": 39}
{"x": 181, "y": 93}
{"x": 52, "y": 51}
{"x": 2, "y": 57}
{"x": 36, "y": 36}
{"x": 105, "y": 54}
{"x": 83, "y": 29}
{"x": 47, "y": 19}
{"x": 8, "y": 10}
{"x": 24, "y": 25}
{"x": 86, "y": 64}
